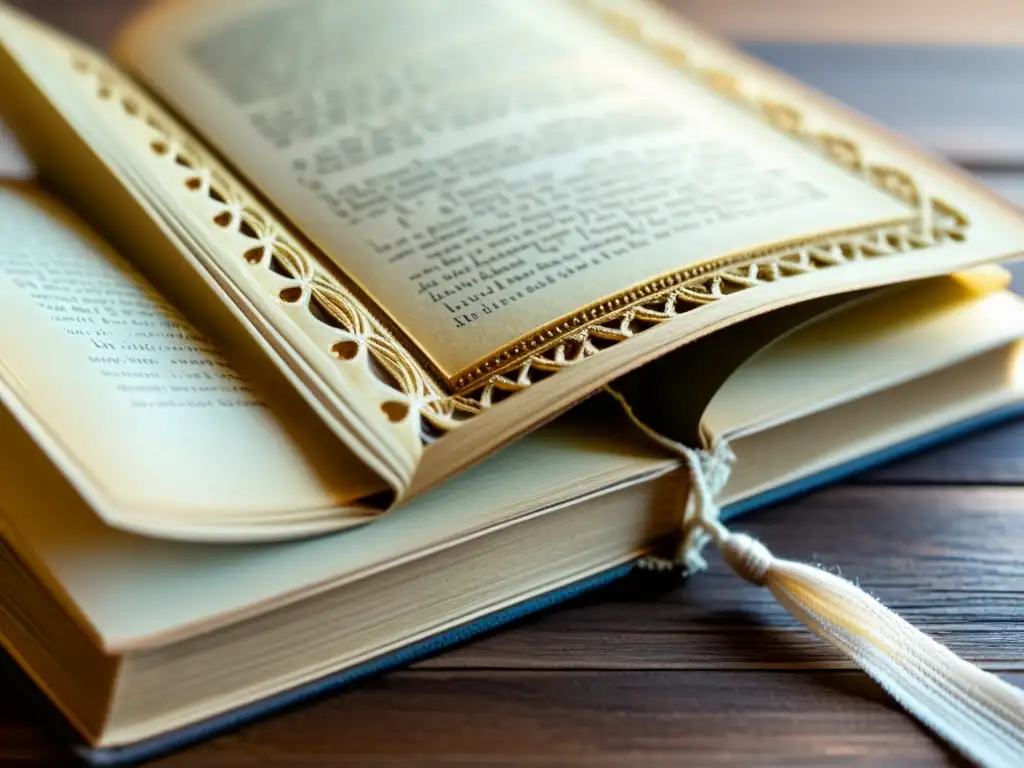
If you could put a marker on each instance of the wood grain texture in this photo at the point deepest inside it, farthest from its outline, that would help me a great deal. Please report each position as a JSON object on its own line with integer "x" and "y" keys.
{"x": 994, "y": 456}
{"x": 710, "y": 672}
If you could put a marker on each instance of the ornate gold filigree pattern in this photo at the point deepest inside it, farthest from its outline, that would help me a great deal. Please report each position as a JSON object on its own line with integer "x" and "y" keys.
{"x": 940, "y": 224}
{"x": 572, "y": 339}
{"x": 303, "y": 281}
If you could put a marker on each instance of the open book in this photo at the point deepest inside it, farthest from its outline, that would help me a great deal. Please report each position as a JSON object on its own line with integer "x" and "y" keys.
{"x": 300, "y": 268}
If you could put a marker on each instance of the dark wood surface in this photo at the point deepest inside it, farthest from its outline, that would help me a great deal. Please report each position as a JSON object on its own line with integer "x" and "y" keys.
{"x": 712, "y": 672}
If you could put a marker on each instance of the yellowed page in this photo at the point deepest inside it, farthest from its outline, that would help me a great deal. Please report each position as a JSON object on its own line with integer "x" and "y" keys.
{"x": 871, "y": 346}
{"x": 483, "y": 172}
{"x": 131, "y": 400}
{"x": 860, "y": 428}
{"x": 131, "y": 591}
{"x": 230, "y": 228}
{"x": 106, "y": 147}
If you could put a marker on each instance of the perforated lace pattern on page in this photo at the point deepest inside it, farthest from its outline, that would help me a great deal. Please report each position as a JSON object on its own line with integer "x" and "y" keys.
{"x": 355, "y": 337}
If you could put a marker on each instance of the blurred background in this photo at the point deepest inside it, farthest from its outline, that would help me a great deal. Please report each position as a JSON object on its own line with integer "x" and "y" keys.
{"x": 949, "y": 73}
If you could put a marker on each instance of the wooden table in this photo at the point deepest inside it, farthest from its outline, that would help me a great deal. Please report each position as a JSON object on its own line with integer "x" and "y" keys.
{"x": 712, "y": 672}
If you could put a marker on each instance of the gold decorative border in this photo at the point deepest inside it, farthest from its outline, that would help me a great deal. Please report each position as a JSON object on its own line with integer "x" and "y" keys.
{"x": 298, "y": 278}
{"x": 301, "y": 280}
{"x": 570, "y": 339}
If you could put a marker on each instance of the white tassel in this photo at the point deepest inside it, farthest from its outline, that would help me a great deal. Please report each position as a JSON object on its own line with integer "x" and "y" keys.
{"x": 976, "y": 712}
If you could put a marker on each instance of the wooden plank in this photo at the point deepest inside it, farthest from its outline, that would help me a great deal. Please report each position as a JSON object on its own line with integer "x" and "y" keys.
{"x": 994, "y": 456}
{"x": 23, "y": 739}
{"x": 487, "y": 717}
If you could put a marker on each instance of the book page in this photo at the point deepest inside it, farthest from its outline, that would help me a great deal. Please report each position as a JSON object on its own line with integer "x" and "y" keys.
{"x": 134, "y": 397}
{"x": 482, "y": 173}
{"x": 875, "y": 344}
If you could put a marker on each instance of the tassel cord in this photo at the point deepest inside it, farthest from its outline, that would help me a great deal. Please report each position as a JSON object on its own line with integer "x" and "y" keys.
{"x": 976, "y": 712}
